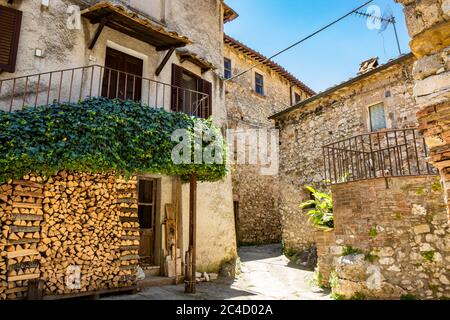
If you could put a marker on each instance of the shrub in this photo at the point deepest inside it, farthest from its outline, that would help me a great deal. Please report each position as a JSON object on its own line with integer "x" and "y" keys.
{"x": 99, "y": 135}
{"x": 321, "y": 212}
{"x": 348, "y": 250}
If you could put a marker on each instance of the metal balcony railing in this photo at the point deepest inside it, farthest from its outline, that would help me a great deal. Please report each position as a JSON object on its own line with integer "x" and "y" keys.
{"x": 393, "y": 153}
{"x": 72, "y": 85}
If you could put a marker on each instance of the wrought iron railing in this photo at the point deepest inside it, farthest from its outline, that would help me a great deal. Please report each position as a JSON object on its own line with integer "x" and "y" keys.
{"x": 72, "y": 85}
{"x": 393, "y": 153}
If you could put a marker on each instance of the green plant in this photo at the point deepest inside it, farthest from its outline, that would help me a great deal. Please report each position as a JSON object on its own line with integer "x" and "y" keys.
{"x": 437, "y": 185}
{"x": 408, "y": 297}
{"x": 101, "y": 135}
{"x": 321, "y": 213}
{"x": 358, "y": 296}
{"x": 371, "y": 257}
{"x": 373, "y": 232}
{"x": 433, "y": 287}
{"x": 333, "y": 280}
{"x": 337, "y": 296}
{"x": 290, "y": 252}
{"x": 348, "y": 250}
{"x": 428, "y": 255}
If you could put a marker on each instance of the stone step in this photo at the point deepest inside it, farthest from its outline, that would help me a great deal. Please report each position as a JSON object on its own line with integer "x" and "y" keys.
{"x": 149, "y": 282}
{"x": 152, "y": 271}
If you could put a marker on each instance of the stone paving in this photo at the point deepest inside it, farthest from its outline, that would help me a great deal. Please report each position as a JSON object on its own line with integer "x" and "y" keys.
{"x": 266, "y": 275}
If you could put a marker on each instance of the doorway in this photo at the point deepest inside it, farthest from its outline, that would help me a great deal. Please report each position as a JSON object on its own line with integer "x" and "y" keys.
{"x": 122, "y": 77}
{"x": 147, "y": 220}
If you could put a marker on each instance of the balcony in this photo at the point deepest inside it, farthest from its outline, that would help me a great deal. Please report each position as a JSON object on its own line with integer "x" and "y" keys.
{"x": 76, "y": 84}
{"x": 394, "y": 153}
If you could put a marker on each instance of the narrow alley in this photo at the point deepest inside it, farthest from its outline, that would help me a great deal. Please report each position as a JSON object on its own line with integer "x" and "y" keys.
{"x": 266, "y": 275}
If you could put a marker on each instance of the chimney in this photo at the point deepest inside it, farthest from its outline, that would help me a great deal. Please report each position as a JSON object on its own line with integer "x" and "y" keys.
{"x": 368, "y": 65}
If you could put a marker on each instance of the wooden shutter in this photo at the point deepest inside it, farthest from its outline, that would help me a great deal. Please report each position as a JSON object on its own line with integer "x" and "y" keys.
{"x": 206, "y": 87}
{"x": 177, "y": 94}
{"x": 10, "y": 21}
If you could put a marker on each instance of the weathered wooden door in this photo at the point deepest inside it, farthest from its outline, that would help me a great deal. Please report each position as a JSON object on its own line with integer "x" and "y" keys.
{"x": 122, "y": 76}
{"x": 147, "y": 212}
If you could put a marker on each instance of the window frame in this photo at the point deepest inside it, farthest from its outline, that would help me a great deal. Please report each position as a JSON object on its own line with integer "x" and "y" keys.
{"x": 370, "y": 116}
{"x": 13, "y": 53}
{"x": 229, "y": 70}
{"x": 203, "y": 86}
{"x": 257, "y": 74}
{"x": 296, "y": 94}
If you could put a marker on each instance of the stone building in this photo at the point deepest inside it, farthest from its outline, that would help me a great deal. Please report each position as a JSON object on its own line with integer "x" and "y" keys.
{"x": 251, "y": 98}
{"x": 338, "y": 113}
{"x": 166, "y": 54}
{"x": 428, "y": 24}
{"x": 361, "y": 140}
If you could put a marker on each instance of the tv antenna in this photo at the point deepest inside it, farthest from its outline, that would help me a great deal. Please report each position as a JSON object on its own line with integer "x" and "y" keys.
{"x": 386, "y": 19}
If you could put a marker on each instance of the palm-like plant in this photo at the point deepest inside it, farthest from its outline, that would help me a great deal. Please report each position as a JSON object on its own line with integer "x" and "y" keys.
{"x": 321, "y": 208}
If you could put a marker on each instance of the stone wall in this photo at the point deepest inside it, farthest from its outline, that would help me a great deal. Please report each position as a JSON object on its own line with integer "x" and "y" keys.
{"x": 396, "y": 238}
{"x": 338, "y": 115}
{"x": 428, "y": 24}
{"x": 259, "y": 219}
{"x": 325, "y": 242}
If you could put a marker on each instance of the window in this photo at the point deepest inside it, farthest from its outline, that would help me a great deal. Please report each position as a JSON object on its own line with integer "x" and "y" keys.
{"x": 9, "y": 37}
{"x": 297, "y": 98}
{"x": 377, "y": 117}
{"x": 146, "y": 208}
{"x": 196, "y": 89}
{"x": 227, "y": 68}
{"x": 259, "y": 83}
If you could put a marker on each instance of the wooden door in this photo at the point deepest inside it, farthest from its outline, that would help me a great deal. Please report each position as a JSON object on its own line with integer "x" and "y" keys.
{"x": 146, "y": 213}
{"x": 123, "y": 76}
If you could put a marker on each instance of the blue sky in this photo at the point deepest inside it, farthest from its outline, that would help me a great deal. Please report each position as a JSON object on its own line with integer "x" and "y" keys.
{"x": 330, "y": 57}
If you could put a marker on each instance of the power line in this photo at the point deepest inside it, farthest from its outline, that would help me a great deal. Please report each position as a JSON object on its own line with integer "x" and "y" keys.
{"x": 300, "y": 41}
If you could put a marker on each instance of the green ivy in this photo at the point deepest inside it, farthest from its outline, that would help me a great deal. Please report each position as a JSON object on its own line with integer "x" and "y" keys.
{"x": 98, "y": 136}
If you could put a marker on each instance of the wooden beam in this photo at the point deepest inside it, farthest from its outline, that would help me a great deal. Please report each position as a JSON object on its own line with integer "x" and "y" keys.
{"x": 167, "y": 47}
{"x": 164, "y": 61}
{"x": 97, "y": 33}
{"x": 190, "y": 284}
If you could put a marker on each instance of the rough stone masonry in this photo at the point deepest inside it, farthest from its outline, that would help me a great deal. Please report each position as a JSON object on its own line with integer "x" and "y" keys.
{"x": 428, "y": 24}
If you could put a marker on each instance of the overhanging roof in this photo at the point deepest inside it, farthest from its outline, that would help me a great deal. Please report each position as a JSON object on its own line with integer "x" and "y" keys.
{"x": 130, "y": 23}
{"x": 343, "y": 85}
{"x": 239, "y": 46}
{"x": 228, "y": 13}
{"x": 186, "y": 55}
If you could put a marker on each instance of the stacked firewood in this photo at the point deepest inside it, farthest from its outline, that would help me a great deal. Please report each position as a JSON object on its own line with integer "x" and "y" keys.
{"x": 77, "y": 232}
{"x": 82, "y": 229}
{"x": 129, "y": 245}
{"x": 21, "y": 216}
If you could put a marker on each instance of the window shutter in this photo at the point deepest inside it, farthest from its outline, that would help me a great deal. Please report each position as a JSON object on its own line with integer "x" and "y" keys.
{"x": 10, "y": 21}
{"x": 177, "y": 94}
{"x": 206, "y": 87}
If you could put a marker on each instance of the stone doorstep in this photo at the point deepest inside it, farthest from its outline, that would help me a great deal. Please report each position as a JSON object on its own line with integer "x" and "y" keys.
{"x": 152, "y": 271}
{"x": 156, "y": 281}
